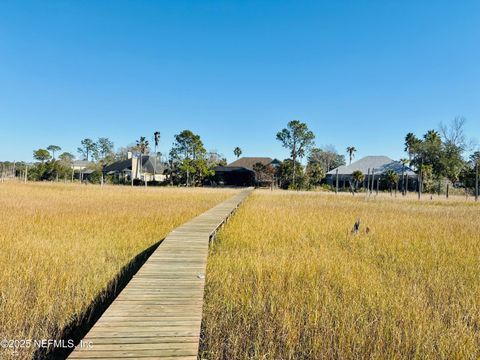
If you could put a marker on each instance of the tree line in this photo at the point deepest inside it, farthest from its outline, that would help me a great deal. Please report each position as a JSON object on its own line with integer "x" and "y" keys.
{"x": 443, "y": 158}
{"x": 188, "y": 162}
{"x": 440, "y": 158}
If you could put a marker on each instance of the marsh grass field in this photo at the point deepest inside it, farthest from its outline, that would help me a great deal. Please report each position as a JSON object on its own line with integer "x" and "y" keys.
{"x": 286, "y": 279}
{"x": 62, "y": 244}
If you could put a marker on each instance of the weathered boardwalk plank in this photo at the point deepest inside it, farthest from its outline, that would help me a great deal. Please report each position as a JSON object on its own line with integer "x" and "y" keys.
{"x": 158, "y": 315}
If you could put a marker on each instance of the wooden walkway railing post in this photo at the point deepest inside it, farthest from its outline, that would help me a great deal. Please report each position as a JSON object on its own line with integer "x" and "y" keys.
{"x": 158, "y": 314}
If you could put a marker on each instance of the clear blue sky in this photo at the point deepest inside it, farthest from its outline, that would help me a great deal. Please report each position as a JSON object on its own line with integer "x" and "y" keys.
{"x": 359, "y": 73}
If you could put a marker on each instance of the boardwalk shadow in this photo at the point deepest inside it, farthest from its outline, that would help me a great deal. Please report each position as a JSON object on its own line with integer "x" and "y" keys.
{"x": 79, "y": 327}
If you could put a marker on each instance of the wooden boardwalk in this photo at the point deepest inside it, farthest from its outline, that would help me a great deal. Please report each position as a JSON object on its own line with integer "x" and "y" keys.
{"x": 158, "y": 314}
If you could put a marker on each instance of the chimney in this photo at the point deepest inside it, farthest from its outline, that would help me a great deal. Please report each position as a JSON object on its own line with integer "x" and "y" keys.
{"x": 135, "y": 166}
{"x": 129, "y": 155}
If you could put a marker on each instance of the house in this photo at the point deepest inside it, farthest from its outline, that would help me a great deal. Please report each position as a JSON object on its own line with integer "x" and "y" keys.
{"x": 374, "y": 169}
{"x": 144, "y": 167}
{"x": 82, "y": 169}
{"x": 249, "y": 162}
{"x": 80, "y": 165}
{"x": 241, "y": 172}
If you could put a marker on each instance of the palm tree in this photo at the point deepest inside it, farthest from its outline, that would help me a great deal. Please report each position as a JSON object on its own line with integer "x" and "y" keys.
{"x": 392, "y": 178}
{"x": 237, "y": 152}
{"x": 351, "y": 152}
{"x": 142, "y": 145}
{"x": 53, "y": 149}
{"x": 142, "y": 148}
{"x": 357, "y": 177}
{"x": 156, "y": 139}
{"x": 411, "y": 142}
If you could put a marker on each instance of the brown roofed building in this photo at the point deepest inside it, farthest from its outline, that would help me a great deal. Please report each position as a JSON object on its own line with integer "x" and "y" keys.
{"x": 240, "y": 172}
{"x": 248, "y": 162}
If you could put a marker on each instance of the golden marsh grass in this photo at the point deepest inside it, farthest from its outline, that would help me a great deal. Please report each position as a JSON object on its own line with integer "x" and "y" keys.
{"x": 287, "y": 280}
{"x": 62, "y": 244}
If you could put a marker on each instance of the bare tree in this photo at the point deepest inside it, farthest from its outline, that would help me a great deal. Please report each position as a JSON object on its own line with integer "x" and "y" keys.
{"x": 454, "y": 145}
{"x": 454, "y": 133}
{"x": 327, "y": 156}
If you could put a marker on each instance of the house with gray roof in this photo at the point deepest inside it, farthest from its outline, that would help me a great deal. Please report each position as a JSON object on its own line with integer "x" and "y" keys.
{"x": 374, "y": 169}
{"x": 144, "y": 167}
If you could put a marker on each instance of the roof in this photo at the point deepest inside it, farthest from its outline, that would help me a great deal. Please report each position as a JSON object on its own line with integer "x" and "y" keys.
{"x": 380, "y": 163}
{"x": 248, "y": 162}
{"x": 119, "y": 166}
{"x": 84, "y": 163}
{"x": 231, "y": 169}
{"x": 148, "y": 163}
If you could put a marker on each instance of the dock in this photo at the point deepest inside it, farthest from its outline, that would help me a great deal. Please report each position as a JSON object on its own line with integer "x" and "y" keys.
{"x": 158, "y": 314}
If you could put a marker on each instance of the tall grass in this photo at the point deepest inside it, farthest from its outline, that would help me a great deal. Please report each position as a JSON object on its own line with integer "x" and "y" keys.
{"x": 62, "y": 244}
{"x": 287, "y": 280}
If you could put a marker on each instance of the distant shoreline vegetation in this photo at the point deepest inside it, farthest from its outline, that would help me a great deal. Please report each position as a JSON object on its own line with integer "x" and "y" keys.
{"x": 442, "y": 160}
